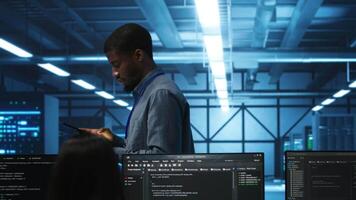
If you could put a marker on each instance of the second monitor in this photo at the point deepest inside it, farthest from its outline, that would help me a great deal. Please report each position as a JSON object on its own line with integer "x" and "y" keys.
{"x": 320, "y": 175}
{"x": 194, "y": 177}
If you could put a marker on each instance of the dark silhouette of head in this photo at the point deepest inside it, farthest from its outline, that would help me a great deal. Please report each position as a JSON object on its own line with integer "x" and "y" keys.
{"x": 129, "y": 51}
{"x": 86, "y": 169}
{"x": 129, "y": 37}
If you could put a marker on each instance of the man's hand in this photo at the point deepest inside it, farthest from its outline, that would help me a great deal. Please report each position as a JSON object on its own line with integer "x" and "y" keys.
{"x": 101, "y": 132}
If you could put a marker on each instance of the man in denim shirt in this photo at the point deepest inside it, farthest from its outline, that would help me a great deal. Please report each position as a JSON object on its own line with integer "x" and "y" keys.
{"x": 159, "y": 121}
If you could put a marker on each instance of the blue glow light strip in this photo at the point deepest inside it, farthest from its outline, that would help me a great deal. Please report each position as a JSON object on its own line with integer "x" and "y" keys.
{"x": 20, "y": 112}
{"x": 29, "y": 128}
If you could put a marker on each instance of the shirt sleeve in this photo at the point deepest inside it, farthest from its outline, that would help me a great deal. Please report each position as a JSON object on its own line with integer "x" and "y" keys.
{"x": 164, "y": 125}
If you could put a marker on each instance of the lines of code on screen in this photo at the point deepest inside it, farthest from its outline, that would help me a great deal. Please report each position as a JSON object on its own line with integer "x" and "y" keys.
{"x": 321, "y": 175}
{"x": 194, "y": 177}
{"x": 24, "y": 177}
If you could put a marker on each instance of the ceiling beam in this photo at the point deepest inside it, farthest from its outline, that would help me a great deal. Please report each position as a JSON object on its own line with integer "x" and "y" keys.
{"x": 21, "y": 24}
{"x": 188, "y": 72}
{"x": 302, "y": 17}
{"x": 160, "y": 19}
{"x": 241, "y": 58}
{"x": 62, "y": 5}
{"x": 54, "y": 20}
{"x": 33, "y": 80}
{"x": 264, "y": 13}
{"x": 241, "y": 94}
{"x": 275, "y": 73}
{"x": 250, "y": 79}
{"x": 324, "y": 75}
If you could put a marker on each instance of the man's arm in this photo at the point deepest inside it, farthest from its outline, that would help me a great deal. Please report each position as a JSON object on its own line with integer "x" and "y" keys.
{"x": 164, "y": 123}
{"x": 164, "y": 126}
{"x": 107, "y": 134}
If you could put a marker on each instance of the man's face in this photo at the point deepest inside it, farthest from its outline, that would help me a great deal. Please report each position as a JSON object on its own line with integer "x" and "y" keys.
{"x": 125, "y": 69}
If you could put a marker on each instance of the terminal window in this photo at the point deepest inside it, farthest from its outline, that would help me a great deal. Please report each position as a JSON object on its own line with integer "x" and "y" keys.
{"x": 25, "y": 177}
{"x": 194, "y": 177}
{"x": 321, "y": 175}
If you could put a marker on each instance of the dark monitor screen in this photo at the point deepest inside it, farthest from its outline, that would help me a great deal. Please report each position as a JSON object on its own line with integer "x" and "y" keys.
{"x": 194, "y": 177}
{"x": 25, "y": 177}
{"x": 320, "y": 175}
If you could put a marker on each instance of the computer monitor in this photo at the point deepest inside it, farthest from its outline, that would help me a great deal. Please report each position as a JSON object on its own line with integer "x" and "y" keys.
{"x": 320, "y": 175}
{"x": 194, "y": 177}
{"x": 28, "y": 124}
{"x": 25, "y": 176}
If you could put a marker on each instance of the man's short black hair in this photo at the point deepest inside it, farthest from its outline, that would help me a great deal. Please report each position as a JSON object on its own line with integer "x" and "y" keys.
{"x": 128, "y": 38}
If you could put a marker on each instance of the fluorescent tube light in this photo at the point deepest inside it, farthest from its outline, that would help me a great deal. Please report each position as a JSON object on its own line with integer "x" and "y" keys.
{"x": 327, "y": 101}
{"x": 221, "y": 88}
{"x": 218, "y": 69}
{"x": 220, "y": 84}
{"x": 129, "y": 107}
{"x": 104, "y": 94}
{"x": 224, "y": 103}
{"x": 209, "y": 18}
{"x": 341, "y": 93}
{"x": 208, "y": 13}
{"x": 84, "y": 84}
{"x": 353, "y": 84}
{"x": 214, "y": 47}
{"x": 54, "y": 59}
{"x": 222, "y": 94}
{"x": 225, "y": 108}
{"x": 89, "y": 58}
{"x": 54, "y": 69}
{"x": 317, "y": 108}
{"x": 121, "y": 102}
{"x": 14, "y": 49}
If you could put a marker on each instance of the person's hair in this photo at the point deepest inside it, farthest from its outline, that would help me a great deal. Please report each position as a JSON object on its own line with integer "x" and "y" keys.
{"x": 128, "y": 38}
{"x": 86, "y": 168}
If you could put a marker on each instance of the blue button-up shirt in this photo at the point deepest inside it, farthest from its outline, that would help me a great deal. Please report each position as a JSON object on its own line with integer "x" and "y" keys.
{"x": 160, "y": 119}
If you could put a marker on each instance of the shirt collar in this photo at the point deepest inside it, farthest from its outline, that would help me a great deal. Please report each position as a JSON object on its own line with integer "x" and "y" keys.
{"x": 140, "y": 88}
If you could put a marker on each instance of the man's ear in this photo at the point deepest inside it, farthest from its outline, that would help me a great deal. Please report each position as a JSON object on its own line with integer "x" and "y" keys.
{"x": 139, "y": 55}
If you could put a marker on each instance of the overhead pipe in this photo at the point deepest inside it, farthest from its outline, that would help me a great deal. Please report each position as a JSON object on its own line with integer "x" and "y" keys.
{"x": 239, "y": 57}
